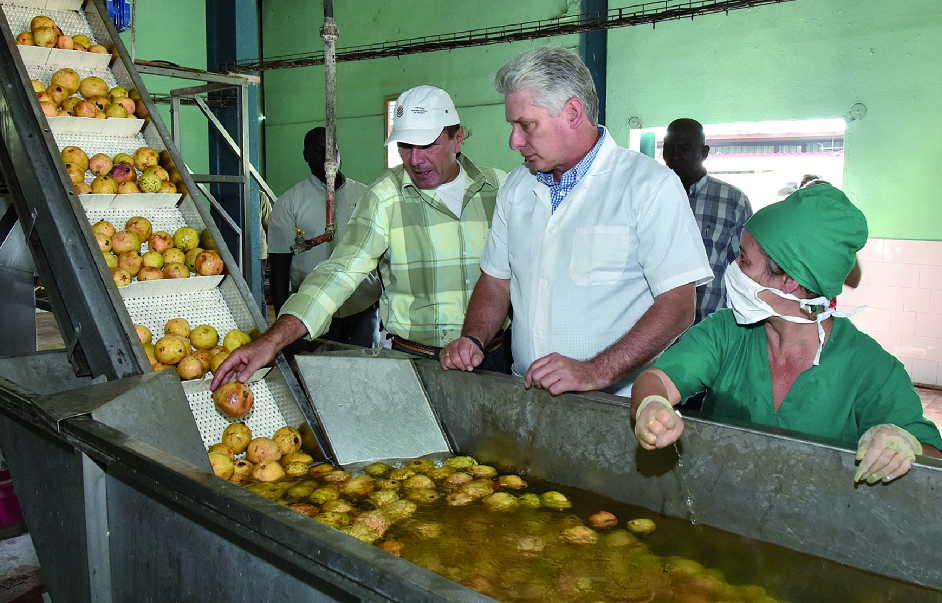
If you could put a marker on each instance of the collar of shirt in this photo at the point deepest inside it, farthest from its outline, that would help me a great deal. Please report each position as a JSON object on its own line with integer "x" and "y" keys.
{"x": 572, "y": 176}
{"x": 699, "y": 184}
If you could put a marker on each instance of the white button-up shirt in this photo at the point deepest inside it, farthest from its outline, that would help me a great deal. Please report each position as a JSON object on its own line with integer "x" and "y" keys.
{"x": 582, "y": 276}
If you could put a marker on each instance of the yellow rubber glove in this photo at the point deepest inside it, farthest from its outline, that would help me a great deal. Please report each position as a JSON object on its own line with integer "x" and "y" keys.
{"x": 885, "y": 453}
{"x": 657, "y": 424}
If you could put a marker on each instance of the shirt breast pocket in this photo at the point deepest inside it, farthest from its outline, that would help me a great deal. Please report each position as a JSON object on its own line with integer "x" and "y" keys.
{"x": 600, "y": 255}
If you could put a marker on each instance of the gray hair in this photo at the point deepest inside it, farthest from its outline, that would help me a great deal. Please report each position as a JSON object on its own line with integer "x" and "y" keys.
{"x": 553, "y": 75}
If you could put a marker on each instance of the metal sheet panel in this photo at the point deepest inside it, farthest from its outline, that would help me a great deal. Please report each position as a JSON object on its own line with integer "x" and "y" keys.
{"x": 371, "y": 408}
{"x": 778, "y": 488}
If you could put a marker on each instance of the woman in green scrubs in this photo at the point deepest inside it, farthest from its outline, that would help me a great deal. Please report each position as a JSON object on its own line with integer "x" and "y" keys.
{"x": 780, "y": 357}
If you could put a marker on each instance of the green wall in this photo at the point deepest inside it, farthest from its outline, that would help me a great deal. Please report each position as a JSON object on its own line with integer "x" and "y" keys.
{"x": 790, "y": 62}
{"x": 181, "y": 40}
{"x": 294, "y": 98}
{"x": 799, "y": 60}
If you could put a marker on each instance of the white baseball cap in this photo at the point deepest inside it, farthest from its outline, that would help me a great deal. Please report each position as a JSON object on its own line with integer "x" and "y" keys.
{"x": 421, "y": 114}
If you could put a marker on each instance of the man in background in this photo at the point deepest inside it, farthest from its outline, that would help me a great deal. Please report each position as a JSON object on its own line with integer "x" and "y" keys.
{"x": 303, "y": 207}
{"x": 720, "y": 208}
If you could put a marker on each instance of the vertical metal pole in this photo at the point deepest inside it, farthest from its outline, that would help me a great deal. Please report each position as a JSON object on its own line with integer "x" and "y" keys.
{"x": 176, "y": 125}
{"x": 330, "y": 34}
{"x": 251, "y": 223}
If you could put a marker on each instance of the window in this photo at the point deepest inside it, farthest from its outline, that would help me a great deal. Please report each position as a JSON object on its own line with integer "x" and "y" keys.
{"x": 767, "y": 159}
{"x": 392, "y": 151}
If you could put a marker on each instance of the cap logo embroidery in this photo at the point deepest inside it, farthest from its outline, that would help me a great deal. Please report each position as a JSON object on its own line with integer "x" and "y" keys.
{"x": 399, "y": 111}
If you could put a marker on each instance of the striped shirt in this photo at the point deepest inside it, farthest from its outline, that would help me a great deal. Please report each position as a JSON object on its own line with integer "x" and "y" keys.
{"x": 721, "y": 211}
{"x": 572, "y": 176}
{"x": 428, "y": 260}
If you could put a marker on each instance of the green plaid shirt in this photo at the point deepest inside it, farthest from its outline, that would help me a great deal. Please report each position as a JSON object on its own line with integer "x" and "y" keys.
{"x": 428, "y": 259}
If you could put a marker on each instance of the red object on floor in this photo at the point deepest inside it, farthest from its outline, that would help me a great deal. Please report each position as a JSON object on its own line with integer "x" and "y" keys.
{"x": 10, "y": 511}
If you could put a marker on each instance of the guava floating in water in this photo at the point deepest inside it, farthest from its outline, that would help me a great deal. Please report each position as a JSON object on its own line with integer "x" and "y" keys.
{"x": 377, "y": 469}
{"x": 423, "y": 496}
{"x": 338, "y": 505}
{"x": 461, "y": 462}
{"x": 440, "y": 474}
{"x": 420, "y": 465}
{"x": 383, "y": 497}
{"x": 555, "y": 500}
{"x": 579, "y": 535}
{"x": 603, "y": 520}
{"x": 399, "y": 510}
{"x": 530, "y": 501}
{"x": 482, "y": 471}
{"x": 263, "y": 449}
{"x": 322, "y": 495}
{"x": 511, "y": 482}
{"x": 320, "y": 470}
{"x": 333, "y": 519}
{"x": 288, "y": 439}
{"x": 336, "y": 476}
{"x": 418, "y": 481}
{"x": 304, "y": 509}
{"x": 457, "y": 480}
{"x": 401, "y": 474}
{"x": 642, "y": 527}
{"x": 501, "y": 502}
{"x": 358, "y": 486}
{"x": 268, "y": 471}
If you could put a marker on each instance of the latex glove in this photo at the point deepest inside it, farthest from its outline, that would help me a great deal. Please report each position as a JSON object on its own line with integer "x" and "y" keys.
{"x": 885, "y": 453}
{"x": 657, "y": 423}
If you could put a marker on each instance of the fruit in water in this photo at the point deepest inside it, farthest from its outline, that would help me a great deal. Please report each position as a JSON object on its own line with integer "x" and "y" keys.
{"x": 190, "y": 367}
{"x": 93, "y": 86}
{"x": 145, "y": 157}
{"x": 171, "y": 349}
{"x": 208, "y": 263}
{"x": 25, "y": 38}
{"x": 642, "y": 527}
{"x": 268, "y": 471}
{"x": 122, "y": 277}
{"x": 160, "y": 241}
{"x": 127, "y": 188}
{"x": 176, "y": 270}
{"x": 243, "y": 471}
{"x": 204, "y": 337}
{"x": 259, "y": 449}
{"x": 125, "y": 241}
{"x": 174, "y": 255}
{"x": 130, "y": 261}
{"x": 237, "y": 436}
{"x": 104, "y": 185}
{"x": 153, "y": 259}
{"x": 235, "y": 339}
{"x": 288, "y": 440}
{"x": 149, "y": 273}
{"x": 100, "y": 164}
{"x": 149, "y": 182}
{"x": 104, "y": 227}
{"x": 185, "y": 238}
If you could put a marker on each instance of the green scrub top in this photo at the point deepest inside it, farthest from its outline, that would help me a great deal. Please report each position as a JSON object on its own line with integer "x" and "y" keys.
{"x": 857, "y": 384}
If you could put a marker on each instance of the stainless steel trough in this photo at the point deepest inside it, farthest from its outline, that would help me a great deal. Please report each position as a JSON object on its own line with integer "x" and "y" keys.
{"x": 119, "y": 509}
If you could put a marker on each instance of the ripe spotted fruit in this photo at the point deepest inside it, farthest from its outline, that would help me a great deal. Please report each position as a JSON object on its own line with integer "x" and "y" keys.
{"x": 288, "y": 440}
{"x": 126, "y": 188}
{"x": 144, "y": 158}
{"x": 160, "y": 242}
{"x": 171, "y": 349}
{"x": 222, "y": 465}
{"x": 186, "y": 238}
{"x": 122, "y": 278}
{"x": 125, "y": 241}
{"x": 149, "y": 273}
{"x": 208, "y": 263}
{"x": 235, "y": 339}
{"x": 177, "y": 326}
{"x": 93, "y": 86}
{"x": 190, "y": 367}
{"x": 140, "y": 226}
{"x": 152, "y": 259}
{"x": 149, "y": 182}
{"x": 235, "y": 400}
{"x": 190, "y": 258}
{"x": 76, "y": 157}
{"x": 130, "y": 261}
{"x": 217, "y": 359}
{"x": 204, "y": 357}
{"x": 104, "y": 185}
{"x": 100, "y": 164}
{"x": 111, "y": 260}
{"x": 103, "y": 227}
{"x": 204, "y": 337}
{"x": 176, "y": 270}
{"x": 237, "y": 436}
{"x": 174, "y": 255}
{"x": 104, "y": 241}
{"x": 143, "y": 333}
{"x": 260, "y": 449}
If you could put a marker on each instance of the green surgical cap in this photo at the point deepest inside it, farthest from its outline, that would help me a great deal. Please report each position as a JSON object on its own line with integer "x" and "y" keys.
{"x": 813, "y": 235}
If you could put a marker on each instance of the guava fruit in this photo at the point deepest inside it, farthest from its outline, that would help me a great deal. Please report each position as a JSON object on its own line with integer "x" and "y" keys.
{"x": 235, "y": 339}
{"x": 128, "y": 188}
{"x": 149, "y": 273}
{"x": 208, "y": 263}
{"x": 111, "y": 260}
{"x": 83, "y": 40}
{"x": 65, "y": 43}
{"x": 461, "y": 462}
{"x": 124, "y": 240}
{"x": 130, "y": 261}
{"x": 100, "y": 164}
{"x": 104, "y": 242}
{"x": 418, "y": 481}
{"x": 122, "y": 172}
{"x": 579, "y": 535}
{"x": 149, "y": 182}
{"x": 287, "y": 438}
{"x": 298, "y": 457}
{"x": 603, "y": 520}
{"x": 160, "y": 242}
{"x": 399, "y": 510}
{"x": 235, "y": 400}
{"x": 222, "y": 449}
{"x": 242, "y": 470}
{"x": 185, "y": 238}
{"x": 25, "y": 38}
{"x": 262, "y": 449}
{"x": 642, "y": 526}
{"x": 152, "y": 259}
{"x": 511, "y": 482}
{"x": 555, "y": 500}
{"x": 93, "y": 86}
{"x": 45, "y": 37}
{"x": 358, "y": 487}
{"x": 481, "y": 471}
{"x": 170, "y": 349}
{"x": 205, "y": 337}
{"x": 221, "y": 464}
{"x": 501, "y": 502}
{"x": 268, "y": 471}
{"x": 177, "y": 326}
{"x": 116, "y": 111}
{"x": 145, "y": 157}
{"x": 176, "y": 270}
{"x": 190, "y": 367}
{"x": 143, "y": 334}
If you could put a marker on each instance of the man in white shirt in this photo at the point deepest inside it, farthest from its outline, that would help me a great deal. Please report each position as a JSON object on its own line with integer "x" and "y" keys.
{"x": 303, "y": 207}
{"x": 594, "y": 245}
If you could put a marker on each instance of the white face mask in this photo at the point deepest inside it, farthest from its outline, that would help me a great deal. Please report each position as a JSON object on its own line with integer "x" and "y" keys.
{"x": 743, "y": 297}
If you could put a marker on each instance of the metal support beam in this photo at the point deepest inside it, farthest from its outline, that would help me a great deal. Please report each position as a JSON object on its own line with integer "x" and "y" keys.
{"x": 593, "y": 48}
{"x": 218, "y": 179}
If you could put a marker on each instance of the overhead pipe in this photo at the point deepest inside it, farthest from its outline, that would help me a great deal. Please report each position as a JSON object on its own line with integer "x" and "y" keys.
{"x": 330, "y": 34}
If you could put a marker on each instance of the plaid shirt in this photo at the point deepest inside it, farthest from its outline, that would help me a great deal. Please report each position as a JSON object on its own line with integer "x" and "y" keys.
{"x": 569, "y": 180}
{"x": 428, "y": 260}
{"x": 721, "y": 211}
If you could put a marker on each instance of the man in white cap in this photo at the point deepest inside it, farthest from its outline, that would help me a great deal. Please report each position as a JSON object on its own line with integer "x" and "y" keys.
{"x": 423, "y": 224}
{"x": 594, "y": 245}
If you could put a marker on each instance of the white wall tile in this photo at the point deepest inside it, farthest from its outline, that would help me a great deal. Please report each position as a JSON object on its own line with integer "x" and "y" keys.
{"x": 916, "y": 300}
